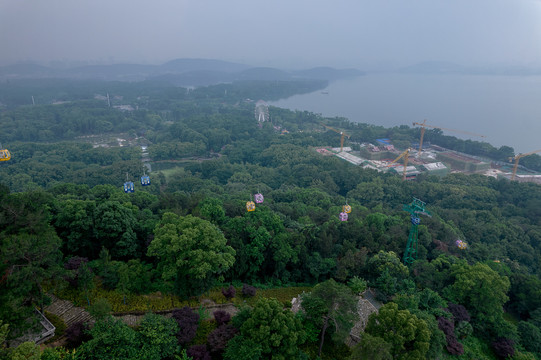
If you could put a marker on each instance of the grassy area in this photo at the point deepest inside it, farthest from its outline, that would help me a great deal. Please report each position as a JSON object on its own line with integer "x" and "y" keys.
{"x": 159, "y": 301}
{"x": 513, "y": 319}
{"x": 169, "y": 172}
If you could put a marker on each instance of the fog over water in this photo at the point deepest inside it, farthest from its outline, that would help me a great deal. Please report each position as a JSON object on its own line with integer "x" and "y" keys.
{"x": 505, "y": 109}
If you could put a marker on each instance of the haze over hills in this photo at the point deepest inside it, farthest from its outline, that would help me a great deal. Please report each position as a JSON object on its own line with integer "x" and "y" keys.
{"x": 181, "y": 72}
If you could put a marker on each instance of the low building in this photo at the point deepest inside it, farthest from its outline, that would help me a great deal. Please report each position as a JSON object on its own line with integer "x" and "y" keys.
{"x": 522, "y": 178}
{"x": 437, "y": 168}
{"x": 463, "y": 162}
{"x": 411, "y": 171}
{"x": 355, "y": 160}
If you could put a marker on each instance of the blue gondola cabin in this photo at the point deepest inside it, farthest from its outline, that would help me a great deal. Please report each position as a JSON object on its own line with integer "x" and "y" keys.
{"x": 145, "y": 180}
{"x": 128, "y": 187}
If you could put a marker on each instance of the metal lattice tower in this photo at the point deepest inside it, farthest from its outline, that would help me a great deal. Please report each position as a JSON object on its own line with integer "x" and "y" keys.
{"x": 416, "y": 208}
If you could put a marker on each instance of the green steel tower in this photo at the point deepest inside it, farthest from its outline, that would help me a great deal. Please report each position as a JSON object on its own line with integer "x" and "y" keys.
{"x": 417, "y": 207}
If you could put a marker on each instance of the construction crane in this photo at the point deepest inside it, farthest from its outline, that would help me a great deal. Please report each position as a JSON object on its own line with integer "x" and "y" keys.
{"x": 517, "y": 158}
{"x": 415, "y": 208}
{"x": 424, "y": 126}
{"x": 340, "y": 132}
{"x": 404, "y": 155}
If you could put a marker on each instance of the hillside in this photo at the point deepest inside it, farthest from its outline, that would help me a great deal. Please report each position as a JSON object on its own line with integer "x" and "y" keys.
{"x": 67, "y": 227}
{"x": 180, "y": 72}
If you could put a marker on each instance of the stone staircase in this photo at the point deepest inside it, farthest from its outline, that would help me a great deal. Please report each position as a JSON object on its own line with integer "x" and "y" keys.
{"x": 68, "y": 312}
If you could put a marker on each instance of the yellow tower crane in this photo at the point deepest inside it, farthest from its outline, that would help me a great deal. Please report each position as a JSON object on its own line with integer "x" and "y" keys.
{"x": 424, "y": 125}
{"x": 517, "y": 158}
{"x": 404, "y": 155}
{"x": 340, "y": 132}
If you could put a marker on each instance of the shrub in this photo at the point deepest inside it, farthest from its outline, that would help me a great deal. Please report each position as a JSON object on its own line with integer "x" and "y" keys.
{"x": 229, "y": 293}
{"x": 220, "y": 336}
{"x": 463, "y": 329}
{"x": 73, "y": 264}
{"x": 187, "y": 321}
{"x": 248, "y": 290}
{"x": 221, "y": 317}
{"x": 459, "y": 312}
{"x": 76, "y": 334}
{"x": 357, "y": 285}
{"x": 530, "y": 336}
{"x": 202, "y": 333}
{"x": 503, "y": 348}
{"x": 199, "y": 352}
{"x": 100, "y": 309}
{"x": 58, "y": 323}
{"x": 448, "y": 328}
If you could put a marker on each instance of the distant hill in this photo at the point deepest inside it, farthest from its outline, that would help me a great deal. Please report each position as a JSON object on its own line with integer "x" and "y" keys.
{"x": 26, "y": 70}
{"x": 195, "y": 78}
{"x": 264, "y": 73}
{"x": 187, "y": 65}
{"x": 122, "y": 72}
{"x": 179, "y": 72}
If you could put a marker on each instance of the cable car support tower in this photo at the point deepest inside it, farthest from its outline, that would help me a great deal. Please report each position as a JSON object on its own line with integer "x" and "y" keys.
{"x": 416, "y": 208}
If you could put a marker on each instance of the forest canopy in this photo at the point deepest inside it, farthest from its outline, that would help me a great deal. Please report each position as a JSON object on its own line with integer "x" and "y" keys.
{"x": 66, "y": 223}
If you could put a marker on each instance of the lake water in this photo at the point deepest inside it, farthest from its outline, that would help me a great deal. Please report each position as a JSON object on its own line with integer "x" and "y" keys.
{"x": 505, "y": 109}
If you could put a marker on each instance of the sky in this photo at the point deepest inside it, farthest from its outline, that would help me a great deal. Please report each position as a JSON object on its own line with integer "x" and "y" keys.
{"x": 290, "y": 34}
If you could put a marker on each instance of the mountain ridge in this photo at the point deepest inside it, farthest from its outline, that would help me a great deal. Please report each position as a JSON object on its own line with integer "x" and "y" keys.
{"x": 180, "y": 72}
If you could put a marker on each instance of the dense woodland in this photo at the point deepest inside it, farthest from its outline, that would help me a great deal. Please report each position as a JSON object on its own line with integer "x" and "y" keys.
{"x": 67, "y": 228}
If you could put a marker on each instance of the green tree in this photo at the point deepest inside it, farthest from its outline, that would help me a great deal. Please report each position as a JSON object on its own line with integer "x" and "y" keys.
{"x": 111, "y": 339}
{"x": 74, "y": 222}
{"x": 331, "y": 303}
{"x": 408, "y": 335}
{"x": 212, "y": 210}
{"x": 28, "y": 262}
{"x": 387, "y": 260}
{"x": 530, "y": 336}
{"x": 4, "y": 332}
{"x": 371, "y": 348}
{"x": 266, "y": 331}
{"x": 100, "y": 309}
{"x": 357, "y": 285}
{"x": 192, "y": 252}
{"x": 156, "y": 335}
{"x": 479, "y": 288}
{"x": 114, "y": 226}
{"x": 85, "y": 279}
{"x": 26, "y": 351}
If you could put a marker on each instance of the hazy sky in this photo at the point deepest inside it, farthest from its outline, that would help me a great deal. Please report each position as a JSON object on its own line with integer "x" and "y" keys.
{"x": 366, "y": 34}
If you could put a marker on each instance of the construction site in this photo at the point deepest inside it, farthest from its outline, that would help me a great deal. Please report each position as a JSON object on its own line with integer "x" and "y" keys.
{"x": 432, "y": 159}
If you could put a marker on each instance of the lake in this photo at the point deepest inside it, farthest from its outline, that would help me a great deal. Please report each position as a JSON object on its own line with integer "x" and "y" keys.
{"x": 505, "y": 109}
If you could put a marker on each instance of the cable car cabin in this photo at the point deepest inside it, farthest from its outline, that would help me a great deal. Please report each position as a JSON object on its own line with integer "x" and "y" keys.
{"x": 145, "y": 180}
{"x": 4, "y": 155}
{"x": 346, "y": 208}
{"x": 258, "y": 198}
{"x": 343, "y": 216}
{"x": 250, "y": 206}
{"x": 128, "y": 187}
{"x": 462, "y": 245}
